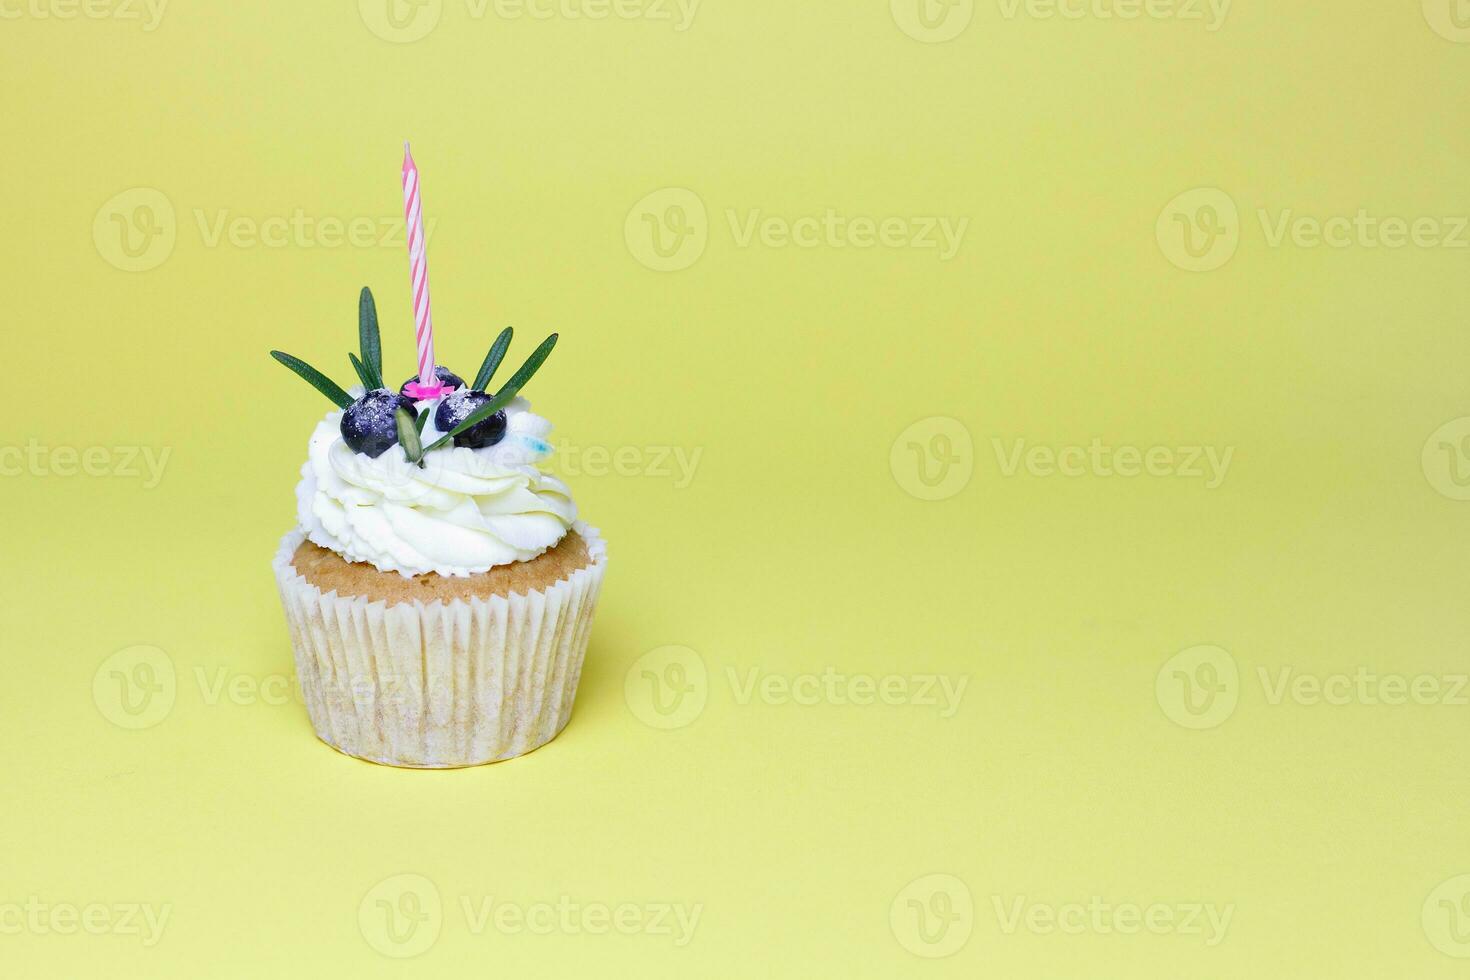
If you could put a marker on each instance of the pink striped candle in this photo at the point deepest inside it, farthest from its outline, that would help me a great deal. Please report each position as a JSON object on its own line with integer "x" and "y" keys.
{"x": 428, "y": 385}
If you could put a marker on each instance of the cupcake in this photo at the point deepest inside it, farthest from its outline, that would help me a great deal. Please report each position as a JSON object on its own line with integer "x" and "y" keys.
{"x": 438, "y": 586}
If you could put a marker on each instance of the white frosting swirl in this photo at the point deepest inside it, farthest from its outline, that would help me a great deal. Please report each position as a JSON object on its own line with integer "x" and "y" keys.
{"x": 463, "y": 512}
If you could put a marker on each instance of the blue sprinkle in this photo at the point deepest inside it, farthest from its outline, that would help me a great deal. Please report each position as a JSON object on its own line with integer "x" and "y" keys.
{"x": 536, "y": 445}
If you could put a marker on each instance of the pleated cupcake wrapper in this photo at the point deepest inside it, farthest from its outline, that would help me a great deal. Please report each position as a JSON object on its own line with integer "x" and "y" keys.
{"x": 439, "y": 685}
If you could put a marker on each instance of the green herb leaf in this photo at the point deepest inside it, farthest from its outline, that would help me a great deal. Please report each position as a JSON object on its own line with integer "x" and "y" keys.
{"x": 368, "y": 337}
{"x": 315, "y": 378}
{"x": 408, "y": 435}
{"x": 533, "y": 364}
{"x": 493, "y": 359}
{"x": 362, "y": 372}
{"x": 503, "y": 397}
{"x": 421, "y": 420}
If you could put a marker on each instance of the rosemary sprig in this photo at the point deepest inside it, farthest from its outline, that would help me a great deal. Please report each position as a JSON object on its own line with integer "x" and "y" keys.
{"x": 503, "y": 397}
{"x": 493, "y": 359}
{"x": 368, "y": 337}
{"x": 315, "y": 378}
{"x": 533, "y": 364}
{"x": 362, "y": 372}
{"x": 408, "y": 435}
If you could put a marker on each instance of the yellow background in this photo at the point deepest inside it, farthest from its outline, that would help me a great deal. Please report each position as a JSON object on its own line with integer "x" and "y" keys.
{"x": 1329, "y": 547}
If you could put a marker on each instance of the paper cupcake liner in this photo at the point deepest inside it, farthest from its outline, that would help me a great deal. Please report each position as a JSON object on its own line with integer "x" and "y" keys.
{"x": 440, "y": 685}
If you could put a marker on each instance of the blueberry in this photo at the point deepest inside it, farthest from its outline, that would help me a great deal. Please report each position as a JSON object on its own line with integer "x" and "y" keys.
{"x": 459, "y": 406}
{"x": 368, "y": 425}
{"x": 445, "y": 376}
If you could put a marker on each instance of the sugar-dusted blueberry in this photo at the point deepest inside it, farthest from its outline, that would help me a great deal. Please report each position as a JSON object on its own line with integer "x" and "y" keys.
{"x": 368, "y": 424}
{"x": 446, "y": 377}
{"x": 459, "y": 406}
